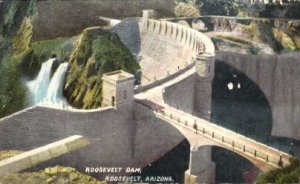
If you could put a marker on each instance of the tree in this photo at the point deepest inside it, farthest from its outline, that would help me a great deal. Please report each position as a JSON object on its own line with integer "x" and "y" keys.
{"x": 186, "y": 9}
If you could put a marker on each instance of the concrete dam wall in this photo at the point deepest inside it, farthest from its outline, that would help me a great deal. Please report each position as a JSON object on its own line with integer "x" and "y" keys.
{"x": 271, "y": 80}
{"x": 167, "y": 47}
{"x": 69, "y": 18}
{"x": 119, "y": 138}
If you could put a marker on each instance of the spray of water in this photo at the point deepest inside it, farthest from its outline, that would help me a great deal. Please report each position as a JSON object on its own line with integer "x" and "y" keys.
{"x": 54, "y": 95}
{"x": 46, "y": 91}
{"x": 39, "y": 86}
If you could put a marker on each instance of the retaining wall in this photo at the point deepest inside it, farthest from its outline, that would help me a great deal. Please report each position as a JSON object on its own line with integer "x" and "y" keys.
{"x": 181, "y": 95}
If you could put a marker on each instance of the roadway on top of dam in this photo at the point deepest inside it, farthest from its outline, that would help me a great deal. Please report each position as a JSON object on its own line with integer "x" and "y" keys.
{"x": 207, "y": 133}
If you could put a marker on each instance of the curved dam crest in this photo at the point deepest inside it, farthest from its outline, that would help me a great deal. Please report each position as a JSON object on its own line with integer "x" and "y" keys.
{"x": 130, "y": 133}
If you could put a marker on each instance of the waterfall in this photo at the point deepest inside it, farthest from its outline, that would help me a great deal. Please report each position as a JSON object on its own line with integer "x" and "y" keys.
{"x": 46, "y": 91}
{"x": 40, "y": 85}
{"x": 54, "y": 95}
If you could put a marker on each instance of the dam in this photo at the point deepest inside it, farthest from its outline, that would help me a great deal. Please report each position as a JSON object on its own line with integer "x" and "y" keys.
{"x": 137, "y": 126}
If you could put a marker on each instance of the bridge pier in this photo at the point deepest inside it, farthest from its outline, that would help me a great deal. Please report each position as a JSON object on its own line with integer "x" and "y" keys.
{"x": 205, "y": 68}
{"x": 201, "y": 168}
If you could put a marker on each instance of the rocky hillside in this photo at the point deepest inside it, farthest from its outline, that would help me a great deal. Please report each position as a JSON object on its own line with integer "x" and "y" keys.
{"x": 93, "y": 52}
{"x": 250, "y": 35}
{"x": 15, "y": 36}
{"x": 57, "y": 175}
{"x": 97, "y": 52}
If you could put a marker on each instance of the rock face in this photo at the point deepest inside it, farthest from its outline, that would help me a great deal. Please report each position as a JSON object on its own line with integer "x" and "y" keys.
{"x": 287, "y": 32}
{"x": 50, "y": 175}
{"x": 70, "y": 17}
{"x": 129, "y": 33}
{"x": 251, "y": 35}
{"x": 98, "y": 51}
{"x": 289, "y": 11}
{"x": 15, "y": 35}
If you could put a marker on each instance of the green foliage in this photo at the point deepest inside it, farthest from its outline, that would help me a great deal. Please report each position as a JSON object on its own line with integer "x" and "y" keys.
{"x": 98, "y": 52}
{"x": 39, "y": 52}
{"x": 107, "y": 48}
{"x": 15, "y": 32}
{"x": 12, "y": 92}
{"x": 14, "y": 12}
{"x": 217, "y": 7}
{"x": 254, "y": 50}
{"x": 56, "y": 174}
{"x": 226, "y": 7}
{"x": 289, "y": 174}
{"x": 186, "y": 10}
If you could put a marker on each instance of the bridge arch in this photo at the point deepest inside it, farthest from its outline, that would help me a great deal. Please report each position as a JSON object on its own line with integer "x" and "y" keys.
{"x": 197, "y": 141}
{"x": 201, "y": 160}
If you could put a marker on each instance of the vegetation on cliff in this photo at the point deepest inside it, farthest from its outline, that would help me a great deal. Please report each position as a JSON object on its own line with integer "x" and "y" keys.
{"x": 15, "y": 35}
{"x": 243, "y": 8}
{"x": 289, "y": 174}
{"x": 57, "y": 174}
{"x": 288, "y": 34}
{"x": 39, "y": 52}
{"x": 217, "y": 7}
{"x": 260, "y": 31}
{"x": 254, "y": 36}
{"x": 8, "y": 153}
{"x": 97, "y": 52}
{"x": 186, "y": 10}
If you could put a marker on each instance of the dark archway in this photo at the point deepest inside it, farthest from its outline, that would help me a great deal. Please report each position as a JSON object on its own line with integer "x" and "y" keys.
{"x": 231, "y": 167}
{"x": 240, "y": 105}
{"x": 174, "y": 163}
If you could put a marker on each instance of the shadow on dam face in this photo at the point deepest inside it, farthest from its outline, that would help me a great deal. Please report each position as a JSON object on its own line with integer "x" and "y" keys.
{"x": 230, "y": 167}
{"x": 240, "y": 105}
{"x": 173, "y": 163}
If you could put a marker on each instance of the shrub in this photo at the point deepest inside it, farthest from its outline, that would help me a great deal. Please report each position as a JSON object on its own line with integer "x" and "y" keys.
{"x": 186, "y": 10}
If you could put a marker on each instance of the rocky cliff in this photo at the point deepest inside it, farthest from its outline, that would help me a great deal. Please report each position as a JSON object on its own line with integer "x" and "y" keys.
{"x": 63, "y": 18}
{"x": 97, "y": 52}
{"x": 15, "y": 35}
{"x": 249, "y": 35}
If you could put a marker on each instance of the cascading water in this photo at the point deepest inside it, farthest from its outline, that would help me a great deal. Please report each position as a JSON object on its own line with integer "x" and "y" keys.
{"x": 39, "y": 86}
{"x": 48, "y": 92}
{"x": 54, "y": 95}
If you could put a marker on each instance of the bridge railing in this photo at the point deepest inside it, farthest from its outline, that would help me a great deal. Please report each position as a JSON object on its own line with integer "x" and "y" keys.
{"x": 276, "y": 160}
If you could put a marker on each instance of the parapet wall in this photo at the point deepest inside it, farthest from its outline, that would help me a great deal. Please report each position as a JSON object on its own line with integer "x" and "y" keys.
{"x": 183, "y": 35}
{"x": 116, "y": 138}
{"x": 70, "y": 17}
{"x": 167, "y": 48}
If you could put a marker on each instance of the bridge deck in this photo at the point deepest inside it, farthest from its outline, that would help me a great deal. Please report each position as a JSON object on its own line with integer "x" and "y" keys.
{"x": 221, "y": 136}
